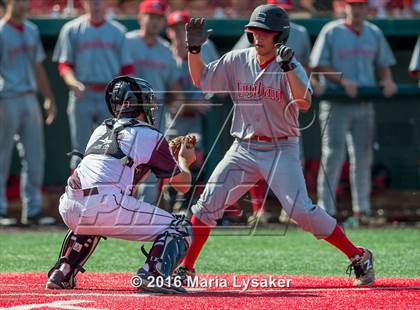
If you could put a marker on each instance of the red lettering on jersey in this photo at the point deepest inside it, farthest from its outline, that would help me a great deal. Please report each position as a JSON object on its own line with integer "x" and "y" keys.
{"x": 21, "y": 49}
{"x": 96, "y": 44}
{"x": 356, "y": 52}
{"x": 150, "y": 63}
{"x": 259, "y": 91}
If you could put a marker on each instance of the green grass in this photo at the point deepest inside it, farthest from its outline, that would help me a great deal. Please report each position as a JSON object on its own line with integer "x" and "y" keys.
{"x": 397, "y": 253}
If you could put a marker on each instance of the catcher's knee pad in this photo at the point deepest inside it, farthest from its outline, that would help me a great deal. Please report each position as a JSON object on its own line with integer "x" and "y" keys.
{"x": 75, "y": 251}
{"x": 169, "y": 248}
{"x": 182, "y": 226}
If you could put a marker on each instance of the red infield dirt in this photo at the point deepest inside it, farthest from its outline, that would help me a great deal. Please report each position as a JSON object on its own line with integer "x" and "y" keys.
{"x": 114, "y": 291}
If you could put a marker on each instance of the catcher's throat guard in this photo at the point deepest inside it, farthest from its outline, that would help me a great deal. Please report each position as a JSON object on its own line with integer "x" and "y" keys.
{"x": 108, "y": 143}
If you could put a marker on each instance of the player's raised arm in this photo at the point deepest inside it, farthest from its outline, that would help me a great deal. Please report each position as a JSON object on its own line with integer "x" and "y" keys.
{"x": 196, "y": 36}
{"x": 298, "y": 87}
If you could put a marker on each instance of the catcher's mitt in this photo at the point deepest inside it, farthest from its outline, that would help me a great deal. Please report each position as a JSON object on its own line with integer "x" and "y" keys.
{"x": 175, "y": 143}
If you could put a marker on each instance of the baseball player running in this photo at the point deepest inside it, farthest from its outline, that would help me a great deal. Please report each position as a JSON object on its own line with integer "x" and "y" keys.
{"x": 90, "y": 51}
{"x": 98, "y": 201}
{"x": 153, "y": 61}
{"x": 300, "y": 43}
{"x": 352, "y": 52}
{"x": 268, "y": 87}
{"x": 21, "y": 75}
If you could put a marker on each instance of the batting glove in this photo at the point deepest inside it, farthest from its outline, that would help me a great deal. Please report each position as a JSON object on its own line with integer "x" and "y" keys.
{"x": 284, "y": 56}
{"x": 196, "y": 34}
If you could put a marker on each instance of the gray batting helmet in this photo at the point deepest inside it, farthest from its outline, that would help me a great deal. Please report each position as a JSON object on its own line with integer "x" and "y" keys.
{"x": 271, "y": 18}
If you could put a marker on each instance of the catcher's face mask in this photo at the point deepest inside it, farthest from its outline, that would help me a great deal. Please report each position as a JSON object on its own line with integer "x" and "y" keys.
{"x": 150, "y": 106}
{"x": 129, "y": 97}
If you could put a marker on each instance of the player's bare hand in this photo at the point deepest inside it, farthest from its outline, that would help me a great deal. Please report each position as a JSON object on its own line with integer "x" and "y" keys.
{"x": 79, "y": 89}
{"x": 50, "y": 109}
{"x": 389, "y": 88}
{"x": 187, "y": 152}
{"x": 196, "y": 33}
{"x": 350, "y": 87}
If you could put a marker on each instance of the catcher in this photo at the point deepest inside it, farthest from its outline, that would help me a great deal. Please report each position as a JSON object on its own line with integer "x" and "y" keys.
{"x": 98, "y": 199}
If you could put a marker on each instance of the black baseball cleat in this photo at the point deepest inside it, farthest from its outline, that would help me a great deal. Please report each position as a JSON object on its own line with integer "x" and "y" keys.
{"x": 363, "y": 268}
{"x": 149, "y": 282}
{"x": 57, "y": 280}
{"x": 184, "y": 273}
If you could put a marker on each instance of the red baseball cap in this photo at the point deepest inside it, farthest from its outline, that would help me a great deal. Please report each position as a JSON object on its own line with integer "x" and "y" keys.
{"x": 153, "y": 7}
{"x": 284, "y": 4}
{"x": 357, "y": 1}
{"x": 177, "y": 17}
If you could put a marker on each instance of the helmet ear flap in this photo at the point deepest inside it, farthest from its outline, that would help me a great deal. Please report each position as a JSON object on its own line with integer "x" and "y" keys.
{"x": 250, "y": 37}
{"x": 281, "y": 37}
{"x": 277, "y": 38}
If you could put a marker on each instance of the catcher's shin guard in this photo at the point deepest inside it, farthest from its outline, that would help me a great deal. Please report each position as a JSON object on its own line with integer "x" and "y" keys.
{"x": 75, "y": 251}
{"x": 169, "y": 248}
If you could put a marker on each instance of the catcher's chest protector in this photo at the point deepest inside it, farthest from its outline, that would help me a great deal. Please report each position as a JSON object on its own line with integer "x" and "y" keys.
{"x": 108, "y": 144}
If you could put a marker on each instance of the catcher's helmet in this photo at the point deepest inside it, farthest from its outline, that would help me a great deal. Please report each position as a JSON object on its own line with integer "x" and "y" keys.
{"x": 127, "y": 96}
{"x": 272, "y": 18}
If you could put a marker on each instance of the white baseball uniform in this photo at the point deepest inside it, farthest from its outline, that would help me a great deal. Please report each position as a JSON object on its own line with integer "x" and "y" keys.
{"x": 102, "y": 205}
